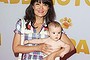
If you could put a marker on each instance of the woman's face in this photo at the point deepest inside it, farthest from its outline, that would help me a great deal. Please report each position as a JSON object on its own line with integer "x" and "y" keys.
{"x": 40, "y": 9}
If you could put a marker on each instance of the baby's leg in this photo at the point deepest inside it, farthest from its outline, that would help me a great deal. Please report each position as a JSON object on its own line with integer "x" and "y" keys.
{"x": 45, "y": 58}
{"x": 57, "y": 58}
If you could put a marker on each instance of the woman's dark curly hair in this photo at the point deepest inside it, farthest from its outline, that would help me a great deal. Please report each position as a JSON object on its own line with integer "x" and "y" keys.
{"x": 30, "y": 16}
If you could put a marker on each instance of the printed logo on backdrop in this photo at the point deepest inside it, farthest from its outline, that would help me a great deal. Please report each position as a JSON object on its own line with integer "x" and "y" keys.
{"x": 60, "y": 2}
{"x": 66, "y": 23}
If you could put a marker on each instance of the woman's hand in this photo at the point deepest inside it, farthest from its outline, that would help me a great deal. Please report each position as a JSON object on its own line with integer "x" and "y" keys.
{"x": 51, "y": 56}
{"x": 45, "y": 48}
{"x": 55, "y": 54}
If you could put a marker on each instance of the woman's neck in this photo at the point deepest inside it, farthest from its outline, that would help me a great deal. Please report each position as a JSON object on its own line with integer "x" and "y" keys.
{"x": 39, "y": 20}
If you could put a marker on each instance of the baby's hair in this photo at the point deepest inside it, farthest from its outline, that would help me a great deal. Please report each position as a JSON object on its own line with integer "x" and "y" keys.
{"x": 55, "y": 24}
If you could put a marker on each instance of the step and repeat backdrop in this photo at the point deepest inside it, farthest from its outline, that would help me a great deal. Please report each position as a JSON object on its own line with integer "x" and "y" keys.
{"x": 74, "y": 16}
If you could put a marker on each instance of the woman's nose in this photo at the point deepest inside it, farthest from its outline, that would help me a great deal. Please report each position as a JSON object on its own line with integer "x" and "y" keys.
{"x": 41, "y": 6}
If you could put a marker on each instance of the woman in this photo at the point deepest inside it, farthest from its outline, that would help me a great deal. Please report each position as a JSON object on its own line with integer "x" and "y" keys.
{"x": 38, "y": 14}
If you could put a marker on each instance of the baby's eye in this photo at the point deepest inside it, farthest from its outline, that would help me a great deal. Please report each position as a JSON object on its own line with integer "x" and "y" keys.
{"x": 59, "y": 32}
{"x": 53, "y": 32}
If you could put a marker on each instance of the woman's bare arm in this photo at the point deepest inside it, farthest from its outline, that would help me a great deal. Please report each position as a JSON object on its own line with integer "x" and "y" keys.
{"x": 66, "y": 48}
{"x": 66, "y": 40}
{"x": 18, "y": 48}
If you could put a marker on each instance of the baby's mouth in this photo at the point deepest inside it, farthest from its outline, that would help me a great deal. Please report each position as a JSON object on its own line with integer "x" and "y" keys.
{"x": 56, "y": 38}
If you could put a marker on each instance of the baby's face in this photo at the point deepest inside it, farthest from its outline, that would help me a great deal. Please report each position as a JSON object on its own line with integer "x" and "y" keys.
{"x": 55, "y": 33}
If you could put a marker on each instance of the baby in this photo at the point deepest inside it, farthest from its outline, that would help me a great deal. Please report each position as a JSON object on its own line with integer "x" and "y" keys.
{"x": 54, "y": 33}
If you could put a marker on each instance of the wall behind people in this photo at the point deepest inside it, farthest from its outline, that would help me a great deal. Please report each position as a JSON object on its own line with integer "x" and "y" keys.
{"x": 72, "y": 14}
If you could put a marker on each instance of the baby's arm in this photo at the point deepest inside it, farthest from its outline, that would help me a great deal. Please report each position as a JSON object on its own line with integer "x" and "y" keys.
{"x": 35, "y": 41}
{"x": 66, "y": 48}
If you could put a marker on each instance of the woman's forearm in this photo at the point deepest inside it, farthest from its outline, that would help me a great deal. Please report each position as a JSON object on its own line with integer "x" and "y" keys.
{"x": 59, "y": 52}
{"x": 25, "y": 49}
{"x": 55, "y": 54}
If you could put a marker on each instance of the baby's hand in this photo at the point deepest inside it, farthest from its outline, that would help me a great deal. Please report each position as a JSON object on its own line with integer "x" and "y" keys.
{"x": 25, "y": 42}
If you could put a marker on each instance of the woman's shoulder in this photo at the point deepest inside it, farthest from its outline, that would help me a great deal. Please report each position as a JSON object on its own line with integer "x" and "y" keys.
{"x": 18, "y": 21}
{"x": 21, "y": 21}
{"x": 64, "y": 36}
